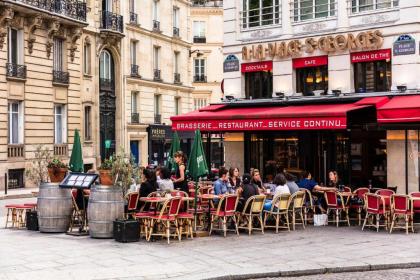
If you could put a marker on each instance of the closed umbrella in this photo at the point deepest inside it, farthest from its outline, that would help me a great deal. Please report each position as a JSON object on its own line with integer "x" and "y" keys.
{"x": 76, "y": 159}
{"x": 197, "y": 164}
{"x": 175, "y": 147}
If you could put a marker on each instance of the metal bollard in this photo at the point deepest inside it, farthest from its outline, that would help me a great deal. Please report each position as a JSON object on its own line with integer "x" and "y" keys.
{"x": 5, "y": 183}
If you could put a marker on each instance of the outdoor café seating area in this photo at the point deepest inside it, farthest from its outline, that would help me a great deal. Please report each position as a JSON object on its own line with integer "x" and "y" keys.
{"x": 174, "y": 216}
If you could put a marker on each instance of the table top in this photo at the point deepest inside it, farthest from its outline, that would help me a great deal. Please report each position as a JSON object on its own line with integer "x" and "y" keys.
{"x": 209, "y": 196}
{"x": 162, "y": 199}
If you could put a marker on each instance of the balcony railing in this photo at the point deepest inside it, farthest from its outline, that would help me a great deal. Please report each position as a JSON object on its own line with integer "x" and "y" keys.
{"x": 70, "y": 8}
{"x": 135, "y": 118}
{"x": 60, "y": 150}
{"x": 60, "y": 77}
{"x": 156, "y": 75}
{"x": 199, "y": 40}
{"x": 156, "y": 25}
{"x": 111, "y": 21}
{"x": 158, "y": 118}
{"x": 15, "y": 150}
{"x": 133, "y": 18}
{"x": 14, "y": 70}
{"x": 106, "y": 84}
{"x": 134, "y": 70}
{"x": 200, "y": 79}
{"x": 207, "y": 3}
{"x": 177, "y": 78}
{"x": 176, "y": 31}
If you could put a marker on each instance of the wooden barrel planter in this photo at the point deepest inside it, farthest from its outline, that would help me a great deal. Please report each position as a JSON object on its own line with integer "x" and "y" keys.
{"x": 55, "y": 207}
{"x": 106, "y": 204}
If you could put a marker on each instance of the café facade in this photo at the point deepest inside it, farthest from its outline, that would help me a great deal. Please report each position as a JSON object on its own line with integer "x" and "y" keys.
{"x": 322, "y": 97}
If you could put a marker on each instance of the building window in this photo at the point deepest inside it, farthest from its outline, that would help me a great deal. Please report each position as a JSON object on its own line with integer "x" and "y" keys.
{"x": 199, "y": 29}
{"x": 132, "y": 5}
{"x": 312, "y": 80}
{"x": 369, "y": 5}
{"x": 58, "y": 60}
{"x": 105, "y": 65}
{"x": 86, "y": 58}
{"x": 156, "y": 57}
{"x": 312, "y": 9}
{"x": 176, "y": 17}
{"x": 15, "y": 46}
{"x": 199, "y": 103}
{"x": 177, "y": 105}
{"x": 158, "y": 117}
{"x": 155, "y": 10}
{"x": 60, "y": 124}
{"x": 260, "y": 12}
{"x": 200, "y": 70}
{"x": 372, "y": 76}
{"x": 134, "y": 96}
{"x": 259, "y": 85}
{"x": 88, "y": 123}
{"x": 107, "y": 5}
{"x": 15, "y": 122}
{"x": 133, "y": 51}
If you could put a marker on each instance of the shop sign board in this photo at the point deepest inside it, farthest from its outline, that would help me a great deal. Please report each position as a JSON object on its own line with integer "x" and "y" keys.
{"x": 366, "y": 40}
{"x": 404, "y": 45}
{"x": 310, "y": 61}
{"x": 369, "y": 56}
{"x": 159, "y": 132}
{"x": 257, "y": 66}
{"x": 231, "y": 64}
{"x": 313, "y": 123}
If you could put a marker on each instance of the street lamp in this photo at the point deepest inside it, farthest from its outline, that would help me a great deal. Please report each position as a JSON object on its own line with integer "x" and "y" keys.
{"x": 199, "y": 53}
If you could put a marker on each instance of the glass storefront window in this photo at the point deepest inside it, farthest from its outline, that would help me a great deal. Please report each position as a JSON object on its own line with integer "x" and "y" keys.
{"x": 372, "y": 76}
{"x": 258, "y": 85}
{"x": 309, "y": 80}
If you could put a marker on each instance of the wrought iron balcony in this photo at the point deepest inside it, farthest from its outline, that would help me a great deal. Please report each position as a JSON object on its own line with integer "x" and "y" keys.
{"x": 177, "y": 78}
{"x": 134, "y": 70}
{"x": 199, "y": 40}
{"x": 176, "y": 32}
{"x": 158, "y": 118}
{"x": 60, "y": 77}
{"x": 14, "y": 70}
{"x": 106, "y": 84}
{"x": 156, "y": 75}
{"x": 135, "y": 118}
{"x": 133, "y": 18}
{"x": 200, "y": 79}
{"x": 156, "y": 25}
{"x": 207, "y": 3}
{"x": 69, "y": 8}
{"x": 111, "y": 21}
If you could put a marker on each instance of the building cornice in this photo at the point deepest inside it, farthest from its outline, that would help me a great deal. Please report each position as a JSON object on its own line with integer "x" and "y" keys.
{"x": 203, "y": 11}
{"x": 159, "y": 36}
{"x": 150, "y": 83}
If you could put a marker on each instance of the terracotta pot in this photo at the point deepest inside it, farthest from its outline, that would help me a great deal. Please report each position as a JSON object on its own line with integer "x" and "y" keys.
{"x": 57, "y": 174}
{"x": 105, "y": 177}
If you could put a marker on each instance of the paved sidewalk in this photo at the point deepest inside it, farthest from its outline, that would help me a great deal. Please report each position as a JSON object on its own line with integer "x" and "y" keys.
{"x": 32, "y": 255}
{"x": 18, "y": 193}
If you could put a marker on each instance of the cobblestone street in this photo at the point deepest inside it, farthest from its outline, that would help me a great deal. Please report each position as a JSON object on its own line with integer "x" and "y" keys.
{"x": 32, "y": 255}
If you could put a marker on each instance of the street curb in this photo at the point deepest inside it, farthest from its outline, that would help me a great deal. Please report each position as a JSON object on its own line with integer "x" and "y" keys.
{"x": 16, "y": 196}
{"x": 306, "y": 272}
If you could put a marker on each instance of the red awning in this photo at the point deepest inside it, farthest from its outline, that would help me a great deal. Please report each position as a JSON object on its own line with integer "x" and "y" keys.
{"x": 400, "y": 109}
{"x": 305, "y": 117}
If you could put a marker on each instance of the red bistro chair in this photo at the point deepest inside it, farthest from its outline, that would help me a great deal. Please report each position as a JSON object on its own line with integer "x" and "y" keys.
{"x": 225, "y": 211}
{"x": 167, "y": 218}
{"x": 132, "y": 201}
{"x": 415, "y": 197}
{"x": 375, "y": 208}
{"x": 347, "y": 189}
{"x": 386, "y": 195}
{"x": 17, "y": 213}
{"x": 401, "y": 207}
{"x": 336, "y": 206}
{"x": 360, "y": 194}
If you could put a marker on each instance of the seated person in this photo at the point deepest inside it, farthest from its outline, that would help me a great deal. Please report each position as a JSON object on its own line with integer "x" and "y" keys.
{"x": 281, "y": 188}
{"x": 165, "y": 183}
{"x": 256, "y": 180}
{"x": 291, "y": 182}
{"x": 147, "y": 186}
{"x": 246, "y": 191}
{"x": 221, "y": 185}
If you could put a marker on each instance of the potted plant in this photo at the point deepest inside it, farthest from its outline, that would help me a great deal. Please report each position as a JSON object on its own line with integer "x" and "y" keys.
{"x": 105, "y": 172}
{"x": 57, "y": 170}
{"x": 37, "y": 173}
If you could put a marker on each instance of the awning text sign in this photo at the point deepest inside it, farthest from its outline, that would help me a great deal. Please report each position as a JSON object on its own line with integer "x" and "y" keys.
{"x": 262, "y": 124}
{"x": 310, "y": 61}
{"x": 257, "y": 66}
{"x": 370, "y": 56}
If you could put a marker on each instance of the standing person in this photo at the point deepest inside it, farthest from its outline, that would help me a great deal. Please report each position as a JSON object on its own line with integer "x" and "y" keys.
{"x": 234, "y": 178}
{"x": 256, "y": 180}
{"x": 291, "y": 182}
{"x": 246, "y": 191}
{"x": 165, "y": 183}
{"x": 147, "y": 186}
{"x": 180, "y": 180}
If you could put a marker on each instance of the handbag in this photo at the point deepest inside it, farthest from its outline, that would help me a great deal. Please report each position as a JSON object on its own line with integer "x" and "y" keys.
{"x": 320, "y": 220}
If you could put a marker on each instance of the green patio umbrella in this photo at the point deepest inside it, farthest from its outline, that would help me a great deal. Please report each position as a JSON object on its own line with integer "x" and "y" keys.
{"x": 197, "y": 165}
{"x": 175, "y": 147}
{"x": 76, "y": 159}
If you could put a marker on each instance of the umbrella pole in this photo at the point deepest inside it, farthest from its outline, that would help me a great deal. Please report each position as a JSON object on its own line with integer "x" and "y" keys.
{"x": 195, "y": 204}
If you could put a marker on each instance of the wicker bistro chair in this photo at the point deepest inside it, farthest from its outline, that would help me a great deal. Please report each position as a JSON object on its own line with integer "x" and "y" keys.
{"x": 309, "y": 205}
{"x": 17, "y": 214}
{"x": 279, "y": 208}
{"x": 77, "y": 216}
{"x": 360, "y": 194}
{"x": 336, "y": 206}
{"x": 225, "y": 211}
{"x": 401, "y": 206}
{"x": 253, "y": 209}
{"x": 297, "y": 202}
{"x": 132, "y": 201}
{"x": 386, "y": 195}
{"x": 415, "y": 197}
{"x": 167, "y": 219}
{"x": 375, "y": 208}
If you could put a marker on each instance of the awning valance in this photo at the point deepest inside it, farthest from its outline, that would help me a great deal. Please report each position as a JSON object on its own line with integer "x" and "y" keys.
{"x": 400, "y": 109}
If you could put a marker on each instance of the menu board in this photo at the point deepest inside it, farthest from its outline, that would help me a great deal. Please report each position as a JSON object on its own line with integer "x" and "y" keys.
{"x": 79, "y": 180}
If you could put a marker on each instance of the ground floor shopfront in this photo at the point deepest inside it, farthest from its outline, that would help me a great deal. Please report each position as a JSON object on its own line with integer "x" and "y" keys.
{"x": 351, "y": 136}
